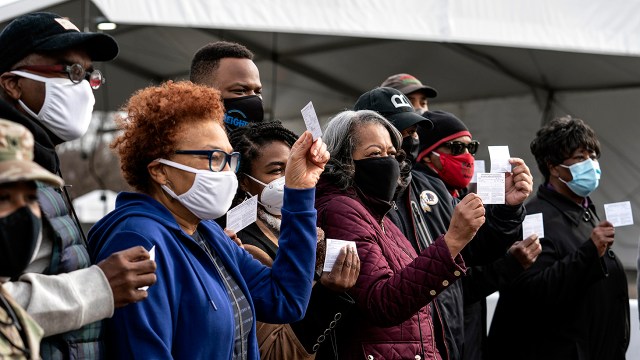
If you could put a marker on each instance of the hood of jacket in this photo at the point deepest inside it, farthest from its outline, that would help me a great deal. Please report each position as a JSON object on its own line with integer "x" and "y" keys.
{"x": 129, "y": 204}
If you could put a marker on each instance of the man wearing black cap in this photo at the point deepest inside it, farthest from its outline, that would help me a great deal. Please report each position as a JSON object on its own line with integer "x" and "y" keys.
{"x": 396, "y": 108}
{"x": 424, "y": 210}
{"x": 46, "y": 83}
{"x": 415, "y": 91}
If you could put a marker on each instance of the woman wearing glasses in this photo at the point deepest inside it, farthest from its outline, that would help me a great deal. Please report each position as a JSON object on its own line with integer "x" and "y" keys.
{"x": 175, "y": 153}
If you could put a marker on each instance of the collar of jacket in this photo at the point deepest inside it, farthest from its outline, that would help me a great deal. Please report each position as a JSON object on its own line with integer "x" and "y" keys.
{"x": 401, "y": 190}
{"x": 570, "y": 209}
{"x": 44, "y": 149}
{"x": 377, "y": 208}
{"x": 429, "y": 171}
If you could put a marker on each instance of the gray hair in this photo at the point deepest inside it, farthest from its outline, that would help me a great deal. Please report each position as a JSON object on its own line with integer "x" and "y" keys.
{"x": 340, "y": 137}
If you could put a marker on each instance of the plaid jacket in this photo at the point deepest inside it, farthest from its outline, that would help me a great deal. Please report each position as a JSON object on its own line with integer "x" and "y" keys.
{"x": 69, "y": 253}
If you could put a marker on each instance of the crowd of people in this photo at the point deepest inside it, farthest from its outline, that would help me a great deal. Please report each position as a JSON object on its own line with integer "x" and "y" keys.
{"x": 162, "y": 277}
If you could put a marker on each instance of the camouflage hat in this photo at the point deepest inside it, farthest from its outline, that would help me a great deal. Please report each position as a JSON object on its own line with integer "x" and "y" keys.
{"x": 16, "y": 156}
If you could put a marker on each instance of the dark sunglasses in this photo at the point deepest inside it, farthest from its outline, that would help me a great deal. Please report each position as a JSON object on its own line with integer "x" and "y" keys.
{"x": 75, "y": 72}
{"x": 457, "y": 147}
{"x": 218, "y": 159}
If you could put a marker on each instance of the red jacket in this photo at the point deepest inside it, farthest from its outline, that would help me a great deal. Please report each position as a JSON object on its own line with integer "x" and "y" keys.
{"x": 395, "y": 284}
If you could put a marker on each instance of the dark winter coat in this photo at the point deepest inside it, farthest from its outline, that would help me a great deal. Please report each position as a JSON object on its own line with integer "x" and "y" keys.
{"x": 571, "y": 303}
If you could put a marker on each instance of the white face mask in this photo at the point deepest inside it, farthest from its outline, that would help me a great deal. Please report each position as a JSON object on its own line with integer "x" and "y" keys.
{"x": 272, "y": 195}
{"x": 67, "y": 107}
{"x": 211, "y": 194}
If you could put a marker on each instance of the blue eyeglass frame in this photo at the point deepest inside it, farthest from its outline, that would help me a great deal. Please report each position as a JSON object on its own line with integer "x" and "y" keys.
{"x": 228, "y": 158}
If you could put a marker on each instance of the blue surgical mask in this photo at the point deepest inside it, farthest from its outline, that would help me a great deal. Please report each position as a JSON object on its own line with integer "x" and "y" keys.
{"x": 586, "y": 177}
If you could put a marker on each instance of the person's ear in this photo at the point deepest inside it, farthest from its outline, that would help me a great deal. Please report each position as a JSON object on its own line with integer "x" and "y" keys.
{"x": 553, "y": 170}
{"x": 244, "y": 183}
{"x": 157, "y": 172}
{"x": 9, "y": 82}
{"x": 427, "y": 158}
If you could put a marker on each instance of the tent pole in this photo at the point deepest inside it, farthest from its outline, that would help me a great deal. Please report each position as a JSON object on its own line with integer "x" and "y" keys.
{"x": 274, "y": 75}
{"x": 86, "y": 17}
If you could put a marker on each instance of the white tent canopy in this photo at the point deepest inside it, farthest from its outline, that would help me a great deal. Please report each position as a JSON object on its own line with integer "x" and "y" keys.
{"x": 503, "y": 66}
{"x": 10, "y": 9}
{"x": 610, "y": 27}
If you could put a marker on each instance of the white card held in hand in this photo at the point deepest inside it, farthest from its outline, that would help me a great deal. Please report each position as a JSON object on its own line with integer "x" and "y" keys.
{"x": 491, "y": 188}
{"x": 333, "y": 250}
{"x": 311, "y": 120}
{"x": 619, "y": 214}
{"x": 499, "y": 159}
{"x": 152, "y": 256}
{"x": 478, "y": 167}
{"x": 532, "y": 224}
{"x": 243, "y": 215}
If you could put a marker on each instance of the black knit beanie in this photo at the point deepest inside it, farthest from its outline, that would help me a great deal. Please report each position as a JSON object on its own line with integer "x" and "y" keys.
{"x": 446, "y": 127}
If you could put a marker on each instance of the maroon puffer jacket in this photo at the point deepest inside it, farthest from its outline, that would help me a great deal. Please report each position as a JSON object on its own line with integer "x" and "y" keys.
{"x": 392, "y": 320}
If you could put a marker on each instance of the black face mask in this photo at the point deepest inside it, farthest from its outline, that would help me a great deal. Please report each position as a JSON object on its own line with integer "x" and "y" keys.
{"x": 411, "y": 147}
{"x": 241, "y": 111}
{"x": 377, "y": 177}
{"x": 19, "y": 233}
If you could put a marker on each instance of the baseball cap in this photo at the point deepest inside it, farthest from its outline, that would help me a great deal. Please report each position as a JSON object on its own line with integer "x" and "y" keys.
{"x": 407, "y": 84}
{"x": 394, "y": 106}
{"x": 16, "y": 156}
{"x": 45, "y": 32}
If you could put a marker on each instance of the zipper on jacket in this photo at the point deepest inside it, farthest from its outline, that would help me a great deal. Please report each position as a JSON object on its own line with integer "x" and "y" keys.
{"x": 394, "y": 207}
{"x": 444, "y": 337}
{"x": 420, "y": 225}
{"x": 413, "y": 223}
{"x": 227, "y": 288}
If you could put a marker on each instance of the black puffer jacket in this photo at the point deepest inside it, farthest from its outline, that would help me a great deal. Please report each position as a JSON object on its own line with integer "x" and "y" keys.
{"x": 423, "y": 213}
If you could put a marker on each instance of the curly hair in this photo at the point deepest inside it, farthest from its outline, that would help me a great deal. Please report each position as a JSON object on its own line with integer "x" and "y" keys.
{"x": 341, "y": 140}
{"x": 154, "y": 117}
{"x": 249, "y": 141}
{"x": 559, "y": 139}
{"x": 207, "y": 58}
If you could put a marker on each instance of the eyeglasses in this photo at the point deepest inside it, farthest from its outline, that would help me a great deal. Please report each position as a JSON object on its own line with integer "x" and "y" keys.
{"x": 457, "y": 147}
{"x": 218, "y": 159}
{"x": 75, "y": 72}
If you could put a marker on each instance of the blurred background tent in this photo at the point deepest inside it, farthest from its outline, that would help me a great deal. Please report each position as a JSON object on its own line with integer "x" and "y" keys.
{"x": 504, "y": 67}
{"x": 93, "y": 206}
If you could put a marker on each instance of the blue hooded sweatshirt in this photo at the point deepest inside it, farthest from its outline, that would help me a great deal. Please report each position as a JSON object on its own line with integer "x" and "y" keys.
{"x": 188, "y": 314}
